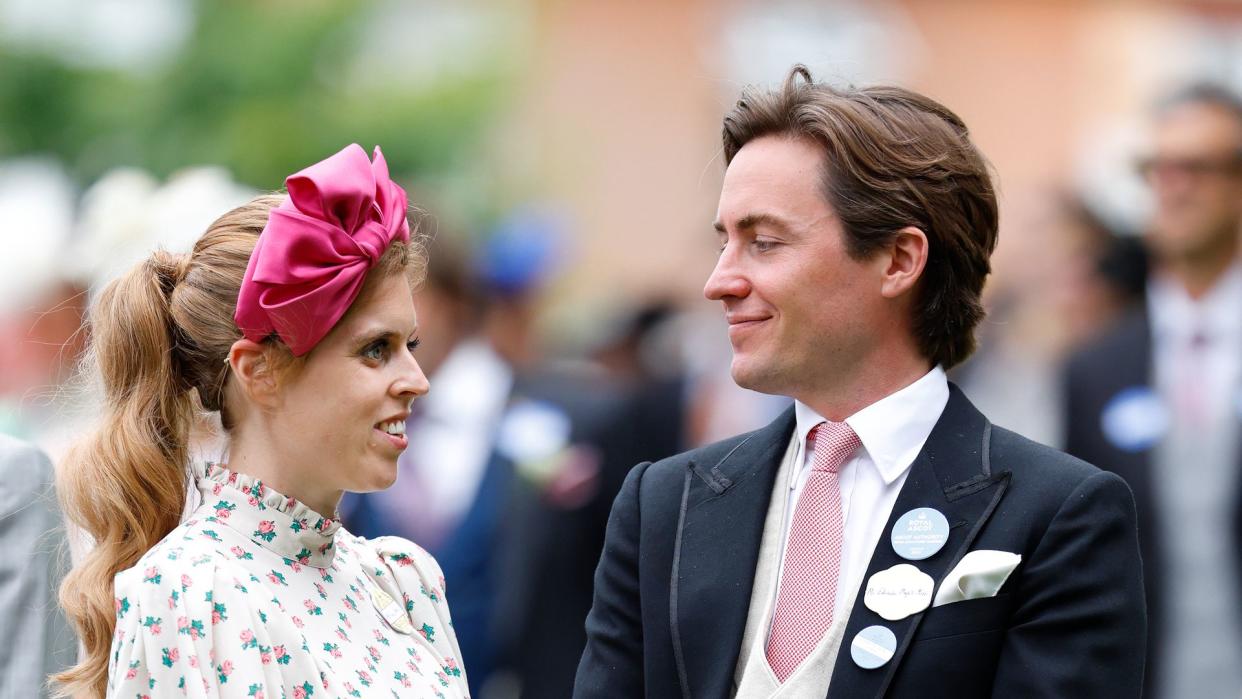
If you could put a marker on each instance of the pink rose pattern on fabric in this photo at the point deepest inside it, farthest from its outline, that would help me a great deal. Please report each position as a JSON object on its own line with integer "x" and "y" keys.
{"x": 241, "y": 593}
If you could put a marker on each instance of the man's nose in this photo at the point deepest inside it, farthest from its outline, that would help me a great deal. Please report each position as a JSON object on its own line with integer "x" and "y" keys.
{"x": 727, "y": 279}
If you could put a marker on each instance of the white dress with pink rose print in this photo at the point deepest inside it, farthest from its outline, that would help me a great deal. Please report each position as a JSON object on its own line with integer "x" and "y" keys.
{"x": 255, "y": 595}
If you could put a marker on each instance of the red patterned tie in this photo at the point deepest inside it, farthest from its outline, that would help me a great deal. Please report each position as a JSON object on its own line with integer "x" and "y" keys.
{"x": 813, "y": 554}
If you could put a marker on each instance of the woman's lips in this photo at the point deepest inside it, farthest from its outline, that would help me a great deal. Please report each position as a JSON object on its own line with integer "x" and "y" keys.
{"x": 398, "y": 441}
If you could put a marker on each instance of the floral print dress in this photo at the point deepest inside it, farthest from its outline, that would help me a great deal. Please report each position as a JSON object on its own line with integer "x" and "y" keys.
{"x": 255, "y": 595}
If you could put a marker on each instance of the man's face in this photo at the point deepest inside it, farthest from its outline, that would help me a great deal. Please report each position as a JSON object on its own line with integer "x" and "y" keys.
{"x": 1196, "y": 179}
{"x": 802, "y": 313}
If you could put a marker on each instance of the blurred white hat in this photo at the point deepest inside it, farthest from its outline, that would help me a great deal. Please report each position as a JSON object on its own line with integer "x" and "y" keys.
{"x": 126, "y": 215}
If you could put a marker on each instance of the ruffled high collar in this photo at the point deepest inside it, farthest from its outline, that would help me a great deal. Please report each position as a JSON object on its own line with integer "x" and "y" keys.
{"x": 274, "y": 521}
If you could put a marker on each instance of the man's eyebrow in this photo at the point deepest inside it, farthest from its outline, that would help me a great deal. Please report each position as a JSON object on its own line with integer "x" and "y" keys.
{"x": 752, "y": 220}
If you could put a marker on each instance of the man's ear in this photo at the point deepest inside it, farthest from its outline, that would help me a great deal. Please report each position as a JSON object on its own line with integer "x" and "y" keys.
{"x": 906, "y": 257}
{"x": 248, "y": 360}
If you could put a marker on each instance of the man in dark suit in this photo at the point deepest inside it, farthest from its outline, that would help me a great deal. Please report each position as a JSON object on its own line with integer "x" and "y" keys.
{"x": 1156, "y": 399}
{"x": 881, "y": 538}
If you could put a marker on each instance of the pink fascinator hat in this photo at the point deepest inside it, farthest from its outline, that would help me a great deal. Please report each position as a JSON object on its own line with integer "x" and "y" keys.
{"x": 314, "y": 254}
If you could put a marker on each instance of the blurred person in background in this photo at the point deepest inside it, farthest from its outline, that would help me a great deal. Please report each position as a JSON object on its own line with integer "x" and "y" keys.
{"x": 626, "y": 404}
{"x": 293, "y": 318}
{"x": 1077, "y": 277}
{"x": 39, "y": 641}
{"x": 537, "y": 458}
{"x": 1157, "y": 399}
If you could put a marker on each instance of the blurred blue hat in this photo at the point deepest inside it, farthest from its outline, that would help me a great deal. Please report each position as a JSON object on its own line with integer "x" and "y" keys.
{"x": 522, "y": 252}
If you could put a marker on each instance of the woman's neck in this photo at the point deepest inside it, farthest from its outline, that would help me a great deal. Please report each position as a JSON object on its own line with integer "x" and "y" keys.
{"x": 253, "y": 453}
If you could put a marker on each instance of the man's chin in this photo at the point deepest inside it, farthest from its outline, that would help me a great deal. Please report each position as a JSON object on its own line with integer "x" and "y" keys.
{"x": 752, "y": 377}
{"x": 1189, "y": 241}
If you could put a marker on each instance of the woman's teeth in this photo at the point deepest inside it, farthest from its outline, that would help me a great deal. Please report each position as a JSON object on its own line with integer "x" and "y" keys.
{"x": 394, "y": 427}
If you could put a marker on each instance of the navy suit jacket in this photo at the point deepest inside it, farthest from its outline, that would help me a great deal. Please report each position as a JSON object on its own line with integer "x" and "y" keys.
{"x": 673, "y": 587}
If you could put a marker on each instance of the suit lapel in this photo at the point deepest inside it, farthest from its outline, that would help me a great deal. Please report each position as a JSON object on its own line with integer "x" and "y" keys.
{"x": 719, "y": 530}
{"x": 951, "y": 474}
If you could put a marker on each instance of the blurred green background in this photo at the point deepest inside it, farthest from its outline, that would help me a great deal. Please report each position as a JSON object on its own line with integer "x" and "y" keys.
{"x": 259, "y": 87}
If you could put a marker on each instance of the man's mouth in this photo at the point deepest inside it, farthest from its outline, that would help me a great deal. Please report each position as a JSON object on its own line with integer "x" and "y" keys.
{"x": 741, "y": 323}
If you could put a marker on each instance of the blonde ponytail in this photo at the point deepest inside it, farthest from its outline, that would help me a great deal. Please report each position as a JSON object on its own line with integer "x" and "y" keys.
{"x": 159, "y": 336}
{"x": 125, "y": 484}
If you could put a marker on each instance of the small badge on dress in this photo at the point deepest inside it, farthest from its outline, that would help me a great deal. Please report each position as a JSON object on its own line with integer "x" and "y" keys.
{"x": 873, "y": 647}
{"x": 920, "y": 534}
{"x": 391, "y": 610}
{"x": 898, "y": 592}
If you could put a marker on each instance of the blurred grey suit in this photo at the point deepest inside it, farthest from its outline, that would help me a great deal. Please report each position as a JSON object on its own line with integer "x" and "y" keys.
{"x": 35, "y": 639}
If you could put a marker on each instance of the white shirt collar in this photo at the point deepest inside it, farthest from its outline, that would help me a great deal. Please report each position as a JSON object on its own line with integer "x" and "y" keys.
{"x": 894, "y": 428}
{"x": 1177, "y": 316}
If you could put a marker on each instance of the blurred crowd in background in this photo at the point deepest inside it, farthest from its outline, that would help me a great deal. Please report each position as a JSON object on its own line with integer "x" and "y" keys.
{"x": 565, "y": 157}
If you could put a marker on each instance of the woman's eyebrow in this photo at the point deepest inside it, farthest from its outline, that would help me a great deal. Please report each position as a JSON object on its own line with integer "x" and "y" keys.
{"x": 373, "y": 334}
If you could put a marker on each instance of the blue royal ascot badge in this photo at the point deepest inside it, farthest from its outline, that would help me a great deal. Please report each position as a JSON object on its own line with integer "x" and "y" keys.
{"x": 919, "y": 534}
{"x": 873, "y": 647}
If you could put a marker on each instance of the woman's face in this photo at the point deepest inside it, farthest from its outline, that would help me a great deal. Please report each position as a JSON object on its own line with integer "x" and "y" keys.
{"x": 343, "y": 412}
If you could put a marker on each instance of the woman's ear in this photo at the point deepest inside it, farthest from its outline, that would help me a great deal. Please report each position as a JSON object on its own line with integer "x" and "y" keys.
{"x": 248, "y": 360}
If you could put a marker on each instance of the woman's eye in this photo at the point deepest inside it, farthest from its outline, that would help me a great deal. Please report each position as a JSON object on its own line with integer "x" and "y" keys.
{"x": 375, "y": 351}
{"x": 413, "y": 345}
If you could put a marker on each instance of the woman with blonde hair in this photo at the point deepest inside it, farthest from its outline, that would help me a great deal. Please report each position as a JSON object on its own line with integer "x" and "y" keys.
{"x": 293, "y": 318}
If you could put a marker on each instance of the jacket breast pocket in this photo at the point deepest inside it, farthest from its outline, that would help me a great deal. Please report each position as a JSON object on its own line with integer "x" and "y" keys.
{"x": 965, "y": 617}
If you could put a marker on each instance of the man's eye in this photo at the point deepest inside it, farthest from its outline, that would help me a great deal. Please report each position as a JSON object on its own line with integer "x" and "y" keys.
{"x": 764, "y": 245}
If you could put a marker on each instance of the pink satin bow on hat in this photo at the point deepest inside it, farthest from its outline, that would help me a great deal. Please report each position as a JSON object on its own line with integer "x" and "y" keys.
{"x": 314, "y": 254}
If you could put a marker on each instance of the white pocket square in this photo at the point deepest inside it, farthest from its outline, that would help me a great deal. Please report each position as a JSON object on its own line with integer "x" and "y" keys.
{"x": 979, "y": 574}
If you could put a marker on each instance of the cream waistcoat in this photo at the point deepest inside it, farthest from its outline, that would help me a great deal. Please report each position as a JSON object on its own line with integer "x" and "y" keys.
{"x": 753, "y": 678}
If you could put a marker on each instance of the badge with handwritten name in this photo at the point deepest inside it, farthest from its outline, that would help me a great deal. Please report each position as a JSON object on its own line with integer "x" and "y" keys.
{"x": 898, "y": 592}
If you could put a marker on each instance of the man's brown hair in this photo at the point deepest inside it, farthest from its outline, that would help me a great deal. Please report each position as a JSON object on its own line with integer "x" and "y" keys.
{"x": 894, "y": 158}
